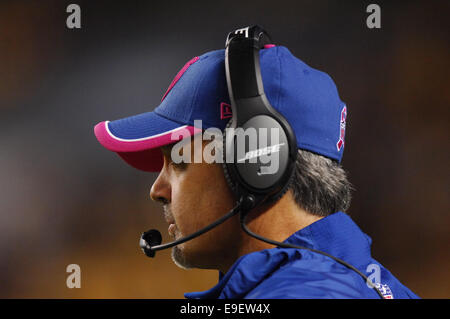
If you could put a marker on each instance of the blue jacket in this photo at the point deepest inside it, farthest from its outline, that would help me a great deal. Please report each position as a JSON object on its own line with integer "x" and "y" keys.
{"x": 299, "y": 273}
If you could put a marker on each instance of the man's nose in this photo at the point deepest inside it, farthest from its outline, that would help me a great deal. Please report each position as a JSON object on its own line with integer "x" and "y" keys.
{"x": 160, "y": 191}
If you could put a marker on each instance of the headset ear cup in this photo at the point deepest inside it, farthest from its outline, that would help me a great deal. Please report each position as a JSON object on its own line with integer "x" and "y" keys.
{"x": 234, "y": 184}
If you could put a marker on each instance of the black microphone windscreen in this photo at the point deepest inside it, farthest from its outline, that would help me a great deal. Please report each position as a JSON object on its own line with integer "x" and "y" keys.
{"x": 148, "y": 239}
{"x": 152, "y": 237}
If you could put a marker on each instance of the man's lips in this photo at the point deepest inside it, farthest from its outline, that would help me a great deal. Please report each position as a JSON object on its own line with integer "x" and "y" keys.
{"x": 171, "y": 229}
{"x": 170, "y": 220}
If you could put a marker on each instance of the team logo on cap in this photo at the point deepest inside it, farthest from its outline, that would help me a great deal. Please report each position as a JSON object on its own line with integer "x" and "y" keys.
{"x": 340, "y": 142}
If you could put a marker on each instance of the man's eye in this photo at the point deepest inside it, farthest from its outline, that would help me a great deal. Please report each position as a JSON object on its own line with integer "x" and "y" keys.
{"x": 178, "y": 166}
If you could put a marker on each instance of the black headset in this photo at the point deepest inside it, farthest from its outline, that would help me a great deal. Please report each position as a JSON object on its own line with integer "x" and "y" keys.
{"x": 246, "y": 174}
{"x": 244, "y": 170}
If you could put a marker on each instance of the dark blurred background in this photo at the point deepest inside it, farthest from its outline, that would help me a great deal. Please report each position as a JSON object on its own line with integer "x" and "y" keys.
{"x": 66, "y": 200}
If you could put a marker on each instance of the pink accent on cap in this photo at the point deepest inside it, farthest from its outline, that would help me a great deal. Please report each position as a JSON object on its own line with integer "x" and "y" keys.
{"x": 268, "y": 46}
{"x": 225, "y": 111}
{"x": 144, "y": 153}
{"x": 115, "y": 144}
{"x": 179, "y": 74}
{"x": 341, "y": 141}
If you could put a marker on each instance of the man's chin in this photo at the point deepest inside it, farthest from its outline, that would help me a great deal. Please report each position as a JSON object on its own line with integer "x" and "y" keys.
{"x": 179, "y": 258}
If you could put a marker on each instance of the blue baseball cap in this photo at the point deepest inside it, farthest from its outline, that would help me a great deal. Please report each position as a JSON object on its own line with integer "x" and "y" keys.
{"x": 306, "y": 97}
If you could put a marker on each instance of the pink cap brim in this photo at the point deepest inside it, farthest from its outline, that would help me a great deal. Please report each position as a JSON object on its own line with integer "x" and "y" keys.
{"x": 142, "y": 153}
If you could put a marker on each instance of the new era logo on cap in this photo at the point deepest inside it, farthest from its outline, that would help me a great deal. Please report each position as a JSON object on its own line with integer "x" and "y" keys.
{"x": 225, "y": 111}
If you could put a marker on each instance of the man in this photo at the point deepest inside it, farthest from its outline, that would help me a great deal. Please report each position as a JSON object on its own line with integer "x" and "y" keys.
{"x": 311, "y": 213}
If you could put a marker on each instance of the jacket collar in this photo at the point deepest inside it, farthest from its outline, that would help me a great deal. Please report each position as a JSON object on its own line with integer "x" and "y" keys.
{"x": 335, "y": 234}
{"x": 338, "y": 235}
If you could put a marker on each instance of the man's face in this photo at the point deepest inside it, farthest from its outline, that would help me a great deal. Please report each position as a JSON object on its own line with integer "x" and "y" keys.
{"x": 195, "y": 195}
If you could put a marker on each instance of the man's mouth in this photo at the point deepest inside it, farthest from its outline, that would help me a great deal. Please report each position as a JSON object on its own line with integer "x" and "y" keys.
{"x": 171, "y": 229}
{"x": 170, "y": 220}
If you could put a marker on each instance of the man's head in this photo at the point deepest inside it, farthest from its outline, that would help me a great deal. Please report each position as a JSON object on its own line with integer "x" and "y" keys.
{"x": 196, "y": 194}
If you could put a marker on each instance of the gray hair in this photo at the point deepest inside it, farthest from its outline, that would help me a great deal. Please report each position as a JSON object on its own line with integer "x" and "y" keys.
{"x": 320, "y": 185}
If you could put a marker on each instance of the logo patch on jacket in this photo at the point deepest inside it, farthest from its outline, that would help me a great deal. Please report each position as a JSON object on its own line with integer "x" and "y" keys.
{"x": 385, "y": 291}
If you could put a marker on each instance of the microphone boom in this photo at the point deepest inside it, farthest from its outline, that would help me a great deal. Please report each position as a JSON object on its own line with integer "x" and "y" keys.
{"x": 150, "y": 241}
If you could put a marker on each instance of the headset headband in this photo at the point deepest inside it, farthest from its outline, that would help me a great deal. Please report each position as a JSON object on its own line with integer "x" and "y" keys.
{"x": 243, "y": 47}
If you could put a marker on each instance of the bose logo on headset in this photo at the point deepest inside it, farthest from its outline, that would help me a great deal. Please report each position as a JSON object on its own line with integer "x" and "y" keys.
{"x": 262, "y": 151}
